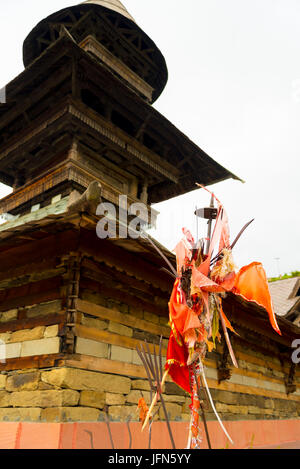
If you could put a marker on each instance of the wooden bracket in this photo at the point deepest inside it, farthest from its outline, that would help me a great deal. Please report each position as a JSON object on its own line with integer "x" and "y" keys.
{"x": 68, "y": 339}
{"x": 224, "y": 372}
{"x": 290, "y": 382}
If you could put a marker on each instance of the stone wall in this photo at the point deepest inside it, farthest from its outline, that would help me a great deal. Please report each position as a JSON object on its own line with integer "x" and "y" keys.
{"x": 70, "y": 394}
{"x": 106, "y": 373}
{"x": 114, "y": 312}
{"x": 17, "y": 342}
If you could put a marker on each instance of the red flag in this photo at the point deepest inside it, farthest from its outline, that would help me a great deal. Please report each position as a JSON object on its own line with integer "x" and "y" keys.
{"x": 177, "y": 353}
{"x": 251, "y": 283}
{"x": 177, "y": 356}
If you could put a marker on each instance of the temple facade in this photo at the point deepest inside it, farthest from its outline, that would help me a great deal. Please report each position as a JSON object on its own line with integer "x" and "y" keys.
{"x": 78, "y": 129}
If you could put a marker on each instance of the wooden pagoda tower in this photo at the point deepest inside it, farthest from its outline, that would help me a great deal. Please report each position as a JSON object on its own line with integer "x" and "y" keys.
{"x": 78, "y": 127}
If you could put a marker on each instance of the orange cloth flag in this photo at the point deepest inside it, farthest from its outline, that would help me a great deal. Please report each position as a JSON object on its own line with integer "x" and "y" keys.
{"x": 142, "y": 406}
{"x": 251, "y": 283}
{"x": 182, "y": 319}
{"x": 177, "y": 356}
{"x": 202, "y": 282}
{"x": 181, "y": 315}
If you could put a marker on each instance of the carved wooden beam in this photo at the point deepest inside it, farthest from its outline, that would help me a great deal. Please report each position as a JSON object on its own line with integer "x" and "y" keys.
{"x": 290, "y": 381}
{"x": 224, "y": 372}
{"x": 72, "y": 279}
{"x": 88, "y": 201}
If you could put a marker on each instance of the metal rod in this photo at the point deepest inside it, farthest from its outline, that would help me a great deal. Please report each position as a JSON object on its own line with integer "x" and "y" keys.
{"x": 147, "y": 371}
{"x": 154, "y": 401}
{"x": 108, "y": 427}
{"x": 167, "y": 420}
{"x": 216, "y": 258}
{"x": 144, "y": 234}
{"x": 231, "y": 352}
{"x": 147, "y": 362}
{"x": 168, "y": 272}
{"x": 207, "y": 403}
{"x": 230, "y": 349}
{"x": 91, "y": 438}
{"x": 209, "y": 226}
{"x": 156, "y": 368}
{"x": 156, "y": 372}
{"x": 159, "y": 392}
{"x": 160, "y": 359}
{"x": 191, "y": 420}
{"x": 150, "y": 358}
{"x": 241, "y": 232}
{"x": 130, "y": 436}
{"x": 150, "y": 425}
{"x": 150, "y": 434}
{"x": 197, "y": 229}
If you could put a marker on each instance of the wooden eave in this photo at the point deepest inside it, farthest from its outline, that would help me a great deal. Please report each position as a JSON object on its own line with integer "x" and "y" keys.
{"x": 295, "y": 310}
{"x": 12, "y": 235}
{"x": 70, "y": 113}
{"x": 242, "y": 313}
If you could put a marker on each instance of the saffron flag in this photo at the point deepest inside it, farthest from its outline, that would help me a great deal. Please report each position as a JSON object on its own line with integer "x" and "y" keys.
{"x": 177, "y": 353}
{"x": 251, "y": 283}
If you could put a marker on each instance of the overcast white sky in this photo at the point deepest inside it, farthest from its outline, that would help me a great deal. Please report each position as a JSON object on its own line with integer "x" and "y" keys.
{"x": 234, "y": 89}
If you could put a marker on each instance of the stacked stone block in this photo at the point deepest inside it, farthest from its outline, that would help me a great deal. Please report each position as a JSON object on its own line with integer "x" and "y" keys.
{"x": 109, "y": 333}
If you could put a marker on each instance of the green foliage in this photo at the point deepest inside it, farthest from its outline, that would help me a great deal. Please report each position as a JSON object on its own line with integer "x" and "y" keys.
{"x": 215, "y": 326}
{"x": 295, "y": 273}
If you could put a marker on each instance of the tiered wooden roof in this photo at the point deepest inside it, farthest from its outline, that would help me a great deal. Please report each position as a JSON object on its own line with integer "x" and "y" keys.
{"x": 64, "y": 95}
{"x": 112, "y": 26}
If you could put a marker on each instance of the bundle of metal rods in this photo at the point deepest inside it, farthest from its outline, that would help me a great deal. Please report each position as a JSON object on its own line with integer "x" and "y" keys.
{"x": 156, "y": 378}
{"x": 154, "y": 370}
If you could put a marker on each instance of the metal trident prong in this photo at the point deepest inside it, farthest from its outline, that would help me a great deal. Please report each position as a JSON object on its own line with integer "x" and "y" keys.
{"x": 154, "y": 371}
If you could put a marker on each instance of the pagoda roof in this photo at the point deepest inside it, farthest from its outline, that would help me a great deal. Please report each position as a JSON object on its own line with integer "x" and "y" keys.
{"x": 100, "y": 18}
{"x": 188, "y": 163}
{"x": 114, "y": 5}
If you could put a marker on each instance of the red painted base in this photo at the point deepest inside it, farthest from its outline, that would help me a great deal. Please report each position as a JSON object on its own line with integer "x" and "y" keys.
{"x": 245, "y": 434}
